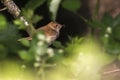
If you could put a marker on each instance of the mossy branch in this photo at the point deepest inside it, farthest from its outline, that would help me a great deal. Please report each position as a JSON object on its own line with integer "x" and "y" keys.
{"x": 15, "y": 11}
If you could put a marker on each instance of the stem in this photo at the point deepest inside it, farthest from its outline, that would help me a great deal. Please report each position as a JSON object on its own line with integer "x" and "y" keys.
{"x": 11, "y": 7}
{"x": 14, "y": 10}
{"x": 113, "y": 71}
{"x": 3, "y": 9}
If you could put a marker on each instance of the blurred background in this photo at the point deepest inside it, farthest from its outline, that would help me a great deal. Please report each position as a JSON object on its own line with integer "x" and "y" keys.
{"x": 92, "y": 31}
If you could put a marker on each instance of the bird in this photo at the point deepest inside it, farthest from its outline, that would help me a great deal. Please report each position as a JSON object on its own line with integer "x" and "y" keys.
{"x": 51, "y": 30}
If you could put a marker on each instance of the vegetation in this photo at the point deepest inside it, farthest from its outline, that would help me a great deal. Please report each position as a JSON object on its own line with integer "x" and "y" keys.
{"x": 80, "y": 58}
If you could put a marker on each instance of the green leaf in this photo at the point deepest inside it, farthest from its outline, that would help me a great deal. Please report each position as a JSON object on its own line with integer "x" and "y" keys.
{"x": 33, "y": 4}
{"x": 25, "y": 55}
{"x": 3, "y": 52}
{"x": 95, "y": 24}
{"x": 28, "y": 13}
{"x": 119, "y": 56}
{"x": 3, "y": 23}
{"x": 116, "y": 28}
{"x": 107, "y": 20}
{"x": 36, "y": 18}
{"x": 116, "y": 21}
{"x": 9, "y": 37}
{"x": 53, "y": 8}
{"x": 113, "y": 47}
{"x": 72, "y": 5}
{"x": 116, "y": 32}
{"x": 20, "y": 24}
{"x": 57, "y": 44}
{"x": 74, "y": 42}
{"x": 25, "y": 42}
{"x": 30, "y": 16}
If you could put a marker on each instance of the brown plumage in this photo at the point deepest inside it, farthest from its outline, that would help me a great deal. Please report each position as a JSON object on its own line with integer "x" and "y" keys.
{"x": 51, "y": 30}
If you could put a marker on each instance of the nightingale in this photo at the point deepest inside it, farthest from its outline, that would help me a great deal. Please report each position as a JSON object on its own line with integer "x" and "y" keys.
{"x": 51, "y": 30}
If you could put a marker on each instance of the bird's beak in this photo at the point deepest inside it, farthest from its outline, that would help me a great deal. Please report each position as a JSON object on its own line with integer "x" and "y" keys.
{"x": 63, "y": 26}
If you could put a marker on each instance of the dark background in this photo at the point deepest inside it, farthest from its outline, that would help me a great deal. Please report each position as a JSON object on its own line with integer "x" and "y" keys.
{"x": 74, "y": 25}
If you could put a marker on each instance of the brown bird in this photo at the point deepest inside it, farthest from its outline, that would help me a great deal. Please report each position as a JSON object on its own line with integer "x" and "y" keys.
{"x": 51, "y": 30}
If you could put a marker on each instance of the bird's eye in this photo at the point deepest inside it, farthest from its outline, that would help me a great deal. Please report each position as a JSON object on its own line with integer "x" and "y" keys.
{"x": 56, "y": 26}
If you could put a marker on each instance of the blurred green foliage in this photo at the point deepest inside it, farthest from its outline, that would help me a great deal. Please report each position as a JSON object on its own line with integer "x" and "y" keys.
{"x": 75, "y": 60}
{"x": 33, "y": 4}
{"x": 8, "y": 38}
{"x": 109, "y": 32}
{"x": 75, "y": 5}
{"x": 3, "y": 22}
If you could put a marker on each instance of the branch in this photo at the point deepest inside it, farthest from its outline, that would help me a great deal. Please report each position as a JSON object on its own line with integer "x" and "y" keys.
{"x": 3, "y": 9}
{"x": 112, "y": 71}
{"x": 14, "y": 10}
{"x": 11, "y": 7}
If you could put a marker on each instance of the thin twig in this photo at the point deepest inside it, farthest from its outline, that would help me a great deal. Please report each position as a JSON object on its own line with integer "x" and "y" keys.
{"x": 3, "y": 9}
{"x": 112, "y": 71}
